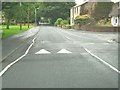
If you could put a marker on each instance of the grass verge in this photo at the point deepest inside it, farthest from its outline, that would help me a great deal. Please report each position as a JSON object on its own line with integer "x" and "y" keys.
{"x": 13, "y": 30}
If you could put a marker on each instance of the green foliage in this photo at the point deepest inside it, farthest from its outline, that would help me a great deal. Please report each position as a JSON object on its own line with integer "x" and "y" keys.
{"x": 64, "y": 22}
{"x": 58, "y": 21}
{"x": 83, "y": 19}
{"x": 102, "y": 10}
{"x": 61, "y": 22}
{"x": 49, "y": 10}
{"x": 69, "y": 26}
{"x": 56, "y": 24}
{"x": 102, "y": 22}
{"x": 12, "y": 31}
{"x": 55, "y": 10}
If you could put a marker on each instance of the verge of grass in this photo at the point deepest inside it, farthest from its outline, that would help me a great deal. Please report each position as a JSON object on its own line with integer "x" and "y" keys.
{"x": 13, "y": 30}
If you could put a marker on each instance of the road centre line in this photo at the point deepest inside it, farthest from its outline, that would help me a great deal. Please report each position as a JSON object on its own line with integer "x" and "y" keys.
{"x": 101, "y": 60}
{"x": 68, "y": 38}
{"x": 64, "y": 36}
{"x": 11, "y": 64}
{"x": 75, "y": 35}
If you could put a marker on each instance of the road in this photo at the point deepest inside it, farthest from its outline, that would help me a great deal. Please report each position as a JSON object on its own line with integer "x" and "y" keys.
{"x": 58, "y": 59}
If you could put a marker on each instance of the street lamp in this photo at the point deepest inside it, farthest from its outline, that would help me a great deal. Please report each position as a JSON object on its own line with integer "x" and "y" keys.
{"x": 36, "y": 15}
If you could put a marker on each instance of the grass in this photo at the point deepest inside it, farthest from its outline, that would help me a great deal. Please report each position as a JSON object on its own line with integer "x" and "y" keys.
{"x": 13, "y": 30}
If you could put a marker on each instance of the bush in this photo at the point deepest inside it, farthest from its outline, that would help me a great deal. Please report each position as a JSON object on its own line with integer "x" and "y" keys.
{"x": 83, "y": 19}
{"x": 64, "y": 22}
{"x": 103, "y": 23}
{"x": 69, "y": 26}
{"x": 58, "y": 22}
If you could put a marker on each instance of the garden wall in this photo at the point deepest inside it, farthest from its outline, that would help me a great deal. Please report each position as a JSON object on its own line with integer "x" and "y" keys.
{"x": 100, "y": 28}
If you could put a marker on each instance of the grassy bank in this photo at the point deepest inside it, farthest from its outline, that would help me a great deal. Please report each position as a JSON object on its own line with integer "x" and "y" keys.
{"x": 13, "y": 30}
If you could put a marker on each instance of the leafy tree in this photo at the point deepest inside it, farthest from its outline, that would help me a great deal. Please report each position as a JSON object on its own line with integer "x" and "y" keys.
{"x": 51, "y": 11}
{"x": 7, "y": 10}
{"x": 54, "y": 10}
{"x": 102, "y": 10}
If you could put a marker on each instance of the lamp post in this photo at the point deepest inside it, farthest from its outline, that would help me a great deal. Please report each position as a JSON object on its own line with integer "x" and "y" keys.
{"x": 36, "y": 15}
{"x": 28, "y": 17}
{"x": 21, "y": 16}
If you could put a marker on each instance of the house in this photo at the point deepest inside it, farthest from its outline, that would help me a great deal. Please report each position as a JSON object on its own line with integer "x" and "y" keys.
{"x": 75, "y": 11}
{"x": 115, "y": 14}
{"x": 89, "y": 7}
{"x": 81, "y": 9}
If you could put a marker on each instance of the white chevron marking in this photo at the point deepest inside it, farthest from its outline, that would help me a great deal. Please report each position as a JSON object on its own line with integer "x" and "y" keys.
{"x": 43, "y": 51}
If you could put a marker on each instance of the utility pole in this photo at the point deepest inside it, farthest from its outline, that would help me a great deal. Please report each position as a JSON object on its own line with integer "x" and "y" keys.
{"x": 36, "y": 15}
{"x": 21, "y": 16}
{"x": 28, "y": 15}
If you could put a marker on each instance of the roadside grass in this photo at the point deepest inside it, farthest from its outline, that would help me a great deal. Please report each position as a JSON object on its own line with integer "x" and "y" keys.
{"x": 13, "y": 30}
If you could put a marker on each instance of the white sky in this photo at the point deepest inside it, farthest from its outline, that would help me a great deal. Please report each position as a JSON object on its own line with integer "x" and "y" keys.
{"x": 78, "y": 2}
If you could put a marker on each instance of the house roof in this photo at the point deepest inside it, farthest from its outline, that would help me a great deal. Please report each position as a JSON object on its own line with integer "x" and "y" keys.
{"x": 85, "y": 1}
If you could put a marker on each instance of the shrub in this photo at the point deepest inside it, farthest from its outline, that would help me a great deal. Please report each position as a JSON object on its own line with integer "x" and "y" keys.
{"x": 83, "y": 19}
{"x": 69, "y": 26}
{"x": 64, "y": 22}
{"x": 58, "y": 22}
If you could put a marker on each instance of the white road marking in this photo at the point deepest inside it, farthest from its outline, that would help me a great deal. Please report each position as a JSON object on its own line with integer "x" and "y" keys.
{"x": 76, "y": 35}
{"x": 68, "y": 38}
{"x": 64, "y": 51}
{"x": 43, "y": 51}
{"x": 105, "y": 43}
{"x": 110, "y": 41}
{"x": 110, "y": 66}
{"x": 11, "y": 64}
{"x": 91, "y": 43}
{"x": 84, "y": 53}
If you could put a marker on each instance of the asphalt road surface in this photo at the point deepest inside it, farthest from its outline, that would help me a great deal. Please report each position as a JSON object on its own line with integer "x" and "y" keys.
{"x": 58, "y": 59}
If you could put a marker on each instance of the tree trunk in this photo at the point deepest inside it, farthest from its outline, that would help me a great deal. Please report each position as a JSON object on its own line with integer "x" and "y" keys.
{"x": 8, "y": 24}
{"x": 28, "y": 25}
{"x": 20, "y": 26}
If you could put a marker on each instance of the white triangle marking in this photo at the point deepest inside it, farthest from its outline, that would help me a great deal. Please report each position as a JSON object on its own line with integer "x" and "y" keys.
{"x": 64, "y": 51}
{"x": 43, "y": 51}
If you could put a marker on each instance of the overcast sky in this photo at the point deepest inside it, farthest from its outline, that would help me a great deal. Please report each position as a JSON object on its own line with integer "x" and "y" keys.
{"x": 78, "y": 2}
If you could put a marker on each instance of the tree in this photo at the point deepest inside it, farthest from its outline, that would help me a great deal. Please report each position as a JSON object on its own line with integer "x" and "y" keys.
{"x": 25, "y": 12}
{"x": 102, "y": 10}
{"x": 54, "y": 10}
{"x": 7, "y": 10}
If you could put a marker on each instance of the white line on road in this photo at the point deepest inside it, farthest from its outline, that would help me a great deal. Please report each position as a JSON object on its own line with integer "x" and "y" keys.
{"x": 68, "y": 38}
{"x": 43, "y": 51}
{"x": 76, "y": 35}
{"x": 105, "y": 43}
{"x": 64, "y": 51}
{"x": 91, "y": 43}
{"x": 110, "y": 66}
{"x": 11, "y": 64}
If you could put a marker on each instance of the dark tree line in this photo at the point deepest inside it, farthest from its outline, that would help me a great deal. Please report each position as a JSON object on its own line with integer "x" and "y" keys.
{"x": 24, "y": 12}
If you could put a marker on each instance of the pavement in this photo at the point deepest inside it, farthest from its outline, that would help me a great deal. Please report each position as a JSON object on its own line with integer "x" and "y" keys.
{"x": 10, "y": 45}
{"x": 58, "y": 59}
